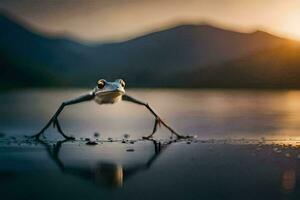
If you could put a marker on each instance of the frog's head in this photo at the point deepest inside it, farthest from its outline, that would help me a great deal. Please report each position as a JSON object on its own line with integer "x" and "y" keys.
{"x": 104, "y": 87}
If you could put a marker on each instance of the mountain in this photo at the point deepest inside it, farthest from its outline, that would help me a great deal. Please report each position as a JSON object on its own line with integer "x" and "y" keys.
{"x": 278, "y": 67}
{"x": 176, "y": 57}
{"x": 28, "y": 51}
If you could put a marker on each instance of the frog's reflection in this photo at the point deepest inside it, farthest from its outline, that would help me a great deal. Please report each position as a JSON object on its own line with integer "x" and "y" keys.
{"x": 103, "y": 173}
{"x": 288, "y": 182}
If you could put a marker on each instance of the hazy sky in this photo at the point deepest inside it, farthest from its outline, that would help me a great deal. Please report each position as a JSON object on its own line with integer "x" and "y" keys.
{"x": 120, "y": 19}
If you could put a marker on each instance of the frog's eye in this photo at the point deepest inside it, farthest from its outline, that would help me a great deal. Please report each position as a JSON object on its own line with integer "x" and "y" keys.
{"x": 122, "y": 82}
{"x": 101, "y": 84}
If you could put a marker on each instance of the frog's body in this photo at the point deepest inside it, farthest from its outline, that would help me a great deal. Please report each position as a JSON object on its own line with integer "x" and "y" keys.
{"x": 106, "y": 93}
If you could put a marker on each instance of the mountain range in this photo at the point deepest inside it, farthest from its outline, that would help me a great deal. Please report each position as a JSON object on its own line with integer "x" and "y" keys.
{"x": 181, "y": 56}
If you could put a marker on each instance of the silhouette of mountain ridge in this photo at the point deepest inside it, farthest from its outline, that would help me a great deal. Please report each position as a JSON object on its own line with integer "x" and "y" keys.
{"x": 157, "y": 59}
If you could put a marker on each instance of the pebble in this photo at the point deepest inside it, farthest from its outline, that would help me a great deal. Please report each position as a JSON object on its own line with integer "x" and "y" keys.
{"x": 126, "y": 136}
{"x": 91, "y": 143}
{"x": 96, "y": 134}
{"x": 130, "y": 150}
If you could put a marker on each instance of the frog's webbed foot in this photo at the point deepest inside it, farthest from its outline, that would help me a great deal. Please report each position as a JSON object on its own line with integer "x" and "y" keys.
{"x": 156, "y": 123}
{"x": 54, "y": 119}
{"x": 158, "y": 120}
{"x": 57, "y": 125}
{"x": 184, "y": 137}
{"x": 38, "y": 135}
{"x": 149, "y": 137}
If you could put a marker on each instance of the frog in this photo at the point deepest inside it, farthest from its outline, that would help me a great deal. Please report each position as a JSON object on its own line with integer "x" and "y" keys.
{"x": 107, "y": 92}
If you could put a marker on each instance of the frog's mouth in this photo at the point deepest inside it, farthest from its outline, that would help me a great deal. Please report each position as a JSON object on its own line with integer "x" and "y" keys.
{"x": 114, "y": 93}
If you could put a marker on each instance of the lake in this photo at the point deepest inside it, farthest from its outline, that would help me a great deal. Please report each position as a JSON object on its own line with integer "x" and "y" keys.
{"x": 206, "y": 113}
{"x": 246, "y": 146}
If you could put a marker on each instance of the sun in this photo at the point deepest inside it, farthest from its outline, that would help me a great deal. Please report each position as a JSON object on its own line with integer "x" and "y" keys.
{"x": 290, "y": 25}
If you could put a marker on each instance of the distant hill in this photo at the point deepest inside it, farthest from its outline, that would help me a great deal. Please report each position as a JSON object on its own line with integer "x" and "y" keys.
{"x": 183, "y": 56}
{"x": 277, "y": 67}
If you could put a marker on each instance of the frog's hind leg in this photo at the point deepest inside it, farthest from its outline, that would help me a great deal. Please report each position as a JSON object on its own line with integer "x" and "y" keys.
{"x": 156, "y": 123}
{"x": 54, "y": 119}
{"x": 158, "y": 120}
{"x": 59, "y": 129}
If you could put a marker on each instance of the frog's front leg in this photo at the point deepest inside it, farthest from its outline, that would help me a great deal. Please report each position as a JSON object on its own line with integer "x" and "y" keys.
{"x": 54, "y": 119}
{"x": 158, "y": 120}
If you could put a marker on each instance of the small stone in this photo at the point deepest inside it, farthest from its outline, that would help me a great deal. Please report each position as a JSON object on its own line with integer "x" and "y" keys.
{"x": 87, "y": 139}
{"x": 91, "y": 143}
{"x": 288, "y": 155}
{"x": 126, "y": 136}
{"x": 130, "y": 150}
{"x": 96, "y": 134}
{"x": 188, "y": 142}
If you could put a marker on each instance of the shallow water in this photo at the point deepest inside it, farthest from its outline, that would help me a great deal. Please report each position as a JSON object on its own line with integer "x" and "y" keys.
{"x": 247, "y": 146}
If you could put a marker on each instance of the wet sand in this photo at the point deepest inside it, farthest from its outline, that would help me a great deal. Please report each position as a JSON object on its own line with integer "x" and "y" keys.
{"x": 138, "y": 169}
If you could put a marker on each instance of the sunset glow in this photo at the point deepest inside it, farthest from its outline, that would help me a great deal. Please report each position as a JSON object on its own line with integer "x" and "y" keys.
{"x": 120, "y": 20}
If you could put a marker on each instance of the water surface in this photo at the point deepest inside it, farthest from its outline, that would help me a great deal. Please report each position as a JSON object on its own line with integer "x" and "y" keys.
{"x": 206, "y": 113}
{"x": 247, "y": 146}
